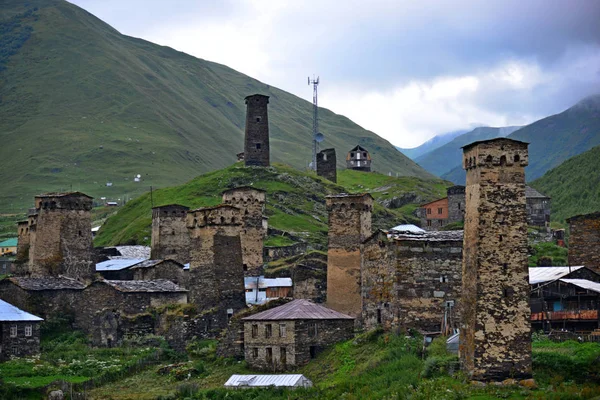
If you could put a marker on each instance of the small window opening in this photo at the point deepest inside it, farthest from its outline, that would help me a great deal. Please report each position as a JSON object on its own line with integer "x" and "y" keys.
{"x": 379, "y": 316}
{"x": 500, "y": 238}
{"x": 257, "y": 119}
{"x": 517, "y": 158}
{"x": 245, "y": 267}
{"x": 258, "y": 146}
{"x": 269, "y": 355}
{"x": 503, "y": 160}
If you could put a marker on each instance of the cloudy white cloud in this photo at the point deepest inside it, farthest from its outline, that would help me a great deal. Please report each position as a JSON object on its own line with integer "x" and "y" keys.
{"x": 406, "y": 70}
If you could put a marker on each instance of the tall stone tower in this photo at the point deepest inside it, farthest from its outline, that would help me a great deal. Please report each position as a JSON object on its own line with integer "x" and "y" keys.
{"x": 61, "y": 236}
{"x": 456, "y": 203}
{"x": 495, "y": 336}
{"x": 256, "y": 147}
{"x": 326, "y": 164}
{"x": 216, "y": 277}
{"x": 251, "y": 202}
{"x": 349, "y": 226}
{"x": 170, "y": 236}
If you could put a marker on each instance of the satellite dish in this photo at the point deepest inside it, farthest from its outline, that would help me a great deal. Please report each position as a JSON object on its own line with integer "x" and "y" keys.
{"x": 319, "y": 137}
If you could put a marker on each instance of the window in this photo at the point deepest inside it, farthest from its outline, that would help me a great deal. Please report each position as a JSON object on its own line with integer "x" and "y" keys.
{"x": 379, "y": 316}
{"x": 268, "y": 330}
{"x": 441, "y": 222}
{"x": 312, "y": 330}
{"x": 282, "y": 330}
{"x": 428, "y": 222}
{"x": 258, "y": 146}
{"x": 255, "y": 352}
{"x": 429, "y": 211}
{"x": 28, "y": 330}
{"x": 13, "y": 331}
{"x": 440, "y": 210}
{"x": 257, "y": 119}
{"x": 254, "y": 330}
{"x": 269, "y": 357}
{"x": 15, "y": 350}
{"x": 282, "y": 355}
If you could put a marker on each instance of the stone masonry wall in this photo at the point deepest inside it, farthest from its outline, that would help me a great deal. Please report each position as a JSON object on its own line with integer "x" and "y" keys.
{"x": 167, "y": 269}
{"x": 495, "y": 340}
{"x": 170, "y": 237}
{"x": 584, "y": 241}
{"x": 349, "y": 225}
{"x": 21, "y": 345}
{"x": 261, "y": 342}
{"x": 326, "y": 164}
{"x": 456, "y": 204}
{"x": 256, "y": 148}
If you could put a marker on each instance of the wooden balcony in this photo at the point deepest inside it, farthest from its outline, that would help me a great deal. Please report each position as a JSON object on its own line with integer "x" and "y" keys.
{"x": 578, "y": 315}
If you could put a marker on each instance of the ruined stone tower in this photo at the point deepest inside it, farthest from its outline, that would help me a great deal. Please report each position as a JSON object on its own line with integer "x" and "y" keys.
{"x": 456, "y": 203}
{"x": 216, "y": 277}
{"x": 584, "y": 240}
{"x": 61, "y": 236}
{"x": 495, "y": 336}
{"x": 251, "y": 202}
{"x": 326, "y": 164}
{"x": 256, "y": 147}
{"x": 170, "y": 237}
{"x": 349, "y": 226}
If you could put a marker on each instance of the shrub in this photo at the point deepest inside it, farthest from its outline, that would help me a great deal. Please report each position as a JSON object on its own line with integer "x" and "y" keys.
{"x": 438, "y": 366}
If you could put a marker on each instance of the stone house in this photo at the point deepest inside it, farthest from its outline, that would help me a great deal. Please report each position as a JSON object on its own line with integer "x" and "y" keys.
{"x": 260, "y": 290}
{"x": 438, "y": 213}
{"x": 584, "y": 240}
{"x": 19, "y": 332}
{"x": 358, "y": 159}
{"x": 538, "y": 208}
{"x": 290, "y": 335}
{"x": 118, "y": 269}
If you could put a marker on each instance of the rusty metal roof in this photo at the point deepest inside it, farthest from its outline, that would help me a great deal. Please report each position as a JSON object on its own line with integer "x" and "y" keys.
{"x": 297, "y": 309}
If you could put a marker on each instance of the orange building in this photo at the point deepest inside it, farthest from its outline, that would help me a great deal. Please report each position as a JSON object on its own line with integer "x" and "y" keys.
{"x": 434, "y": 214}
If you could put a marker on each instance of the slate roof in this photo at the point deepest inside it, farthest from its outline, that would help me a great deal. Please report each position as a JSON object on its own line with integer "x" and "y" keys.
{"x": 594, "y": 215}
{"x": 584, "y": 284}
{"x": 297, "y": 309}
{"x": 531, "y": 193}
{"x": 291, "y": 380}
{"x": 47, "y": 283}
{"x": 118, "y": 264}
{"x": 246, "y": 187}
{"x": 44, "y": 195}
{"x": 428, "y": 236}
{"x": 137, "y": 251}
{"x": 499, "y": 139}
{"x": 152, "y": 263}
{"x": 8, "y": 312}
{"x": 157, "y": 285}
{"x": 547, "y": 274}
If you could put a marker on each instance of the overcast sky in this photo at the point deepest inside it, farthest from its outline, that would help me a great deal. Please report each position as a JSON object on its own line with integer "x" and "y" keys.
{"x": 407, "y": 70}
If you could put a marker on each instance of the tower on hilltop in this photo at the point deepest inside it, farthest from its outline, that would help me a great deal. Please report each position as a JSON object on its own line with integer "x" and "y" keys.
{"x": 256, "y": 147}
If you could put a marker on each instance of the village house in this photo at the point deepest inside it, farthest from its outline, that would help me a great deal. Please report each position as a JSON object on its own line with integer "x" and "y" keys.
{"x": 538, "y": 208}
{"x": 141, "y": 269}
{"x": 359, "y": 159}
{"x": 19, "y": 332}
{"x": 260, "y": 290}
{"x": 8, "y": 247}
{"x": 290, "y": 335}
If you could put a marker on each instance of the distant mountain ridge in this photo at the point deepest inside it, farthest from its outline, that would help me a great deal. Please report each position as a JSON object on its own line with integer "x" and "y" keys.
{"x": 444, "y": 158}
{"x": 553, "y": 139}
{"x": 82, "y": 105}
{"x": 431, "y": 144}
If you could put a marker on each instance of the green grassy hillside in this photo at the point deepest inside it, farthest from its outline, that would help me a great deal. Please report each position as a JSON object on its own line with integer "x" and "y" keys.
{"x": 82, "y": 105}
{"x": 574, "y": 186}
{"x": 295, "y": 200}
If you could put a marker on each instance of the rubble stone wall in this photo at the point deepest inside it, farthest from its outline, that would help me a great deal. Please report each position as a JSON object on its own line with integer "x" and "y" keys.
{"x": 170, "y": 237}
{"x": 584, "y": 241}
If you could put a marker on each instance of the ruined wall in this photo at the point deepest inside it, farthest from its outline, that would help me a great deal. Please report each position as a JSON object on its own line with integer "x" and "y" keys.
{"x": 170, "y": 237}
{"x": 216, "y": 275}
{"x": 21, "y": 345}
{"x": 251, "y": 202}
{"x": 310, "y": 280}
{"x": 167, "y": 269}
{"x": 63, "y": 237}
{"x": 495, "y": 340}
{"x": 456, "y": 203}
{"x": 256, "y": 147}
{"x": 349, "y": 225}
{"x": 584, "y": 240}
{"x": 326, "y": 164}
{"x": 273, "y": 253}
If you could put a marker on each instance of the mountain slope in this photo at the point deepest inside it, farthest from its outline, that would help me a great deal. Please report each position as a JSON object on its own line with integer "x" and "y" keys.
{"x": 295, "y": 200}
{"x": 431, "y": 144}
{"x": 574, "y": 186}
{"x": 554, "y": 139}
{"x": 82, "y": 105}
{"x": 444, "y": 158}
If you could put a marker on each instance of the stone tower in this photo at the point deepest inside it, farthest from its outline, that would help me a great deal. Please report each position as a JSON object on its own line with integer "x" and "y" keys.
{"x": 456, "y": 203}
{"x": 495, "y": 336}
{"x": 61, "y": 236}
{"x": 170, "y": 237}
{"x": 349, "y": 226}
{"x": 216, "y": 276}
{"x": 251, "y": 202}
{"x": 584, "y": 240}
{"x": 256, "y": 147}
{"x": 326, "y": 164}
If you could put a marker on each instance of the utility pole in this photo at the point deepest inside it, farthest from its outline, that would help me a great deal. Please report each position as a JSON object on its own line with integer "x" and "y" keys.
{"x": 317, "y": 137}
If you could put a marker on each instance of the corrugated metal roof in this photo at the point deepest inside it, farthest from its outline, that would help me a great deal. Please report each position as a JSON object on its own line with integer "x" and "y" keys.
{"x": 251, "y": 281}
{"x": 118, "y": 264}
{"x": 292, "y": 380}
{"x": 157, "y": 285}
{"x": 547, "y": 274}
{"x": 584, "y": 283}
{"x": 298, "y": 309}
{"x": 47, "y": 283}
{"x": 410, "y": 228}
{"x": 8, "y": 312}
{"x": 12, "y": 242}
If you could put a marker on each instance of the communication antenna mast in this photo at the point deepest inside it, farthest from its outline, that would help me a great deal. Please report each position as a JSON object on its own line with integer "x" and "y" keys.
{"x": 317, "y": 137}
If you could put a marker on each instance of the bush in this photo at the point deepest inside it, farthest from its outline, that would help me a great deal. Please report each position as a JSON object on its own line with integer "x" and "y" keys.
{"x": 439, "y": 366}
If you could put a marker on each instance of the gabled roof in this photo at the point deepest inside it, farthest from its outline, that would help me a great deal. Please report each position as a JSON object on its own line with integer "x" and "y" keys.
{"x": 47, "y": 283}
{"x": 118, "y": 264}
{"x": 290, "y": 380}
{"x": 298, "y": 309}
{"x": 531, "y": 193}
{"x": 547, "y": 274}
{"x": 359, "y": 148}
{"x": 152, "y": 263}
{"x": 66, "y": 194}
{"x": 8, "y": 312}
{"x": 12, "y": 242}
{"x": 157, "y": 285}
{"x": 584, "y": 284}
{"x": 594, "y": 215}
{"x": 129, "y": 252}
{"x": 434, "y": 201}
{"x": 407, "y": 228}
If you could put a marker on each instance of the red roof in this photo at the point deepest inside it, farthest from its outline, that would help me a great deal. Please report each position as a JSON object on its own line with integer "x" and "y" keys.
{"x": 298, "y": 309}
